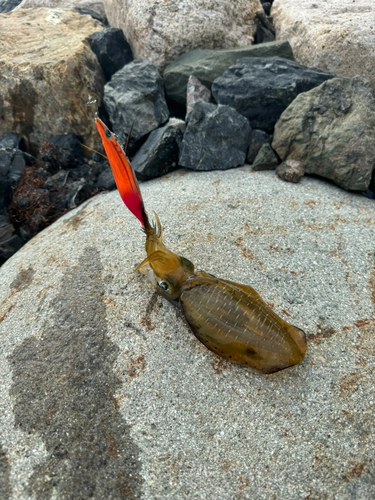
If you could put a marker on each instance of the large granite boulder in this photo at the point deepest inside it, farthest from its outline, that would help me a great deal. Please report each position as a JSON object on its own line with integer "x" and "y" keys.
{"x": 337, "y": 36}
{"x": 48, "y": 74}
{"x": 105, "y": 391}
{"x": 135, "y": 97}
{"x": 331, "y": 130}
{"x": 216, "y": 138}
{"x": 207, "y": 65}
{"x": 262, "y": 88}
{"x": 159, "y": 31}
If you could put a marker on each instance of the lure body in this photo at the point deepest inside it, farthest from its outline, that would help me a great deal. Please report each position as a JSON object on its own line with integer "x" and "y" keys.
{"x": 230, "y": 319}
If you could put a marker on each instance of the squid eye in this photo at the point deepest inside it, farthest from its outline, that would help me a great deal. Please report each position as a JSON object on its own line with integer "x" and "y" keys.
{"x": 108, "y": 134}
{"x": 163, "y": 285}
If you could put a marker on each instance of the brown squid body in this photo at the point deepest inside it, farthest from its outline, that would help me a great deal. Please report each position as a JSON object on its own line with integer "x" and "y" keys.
{"x": 228, "y": 318}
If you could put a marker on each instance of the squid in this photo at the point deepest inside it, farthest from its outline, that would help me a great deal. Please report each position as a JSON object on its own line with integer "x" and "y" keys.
{"x": 229, "y": 318}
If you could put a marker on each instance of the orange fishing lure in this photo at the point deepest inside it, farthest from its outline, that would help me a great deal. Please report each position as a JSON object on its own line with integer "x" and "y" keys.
{"x": 230, "y": 319}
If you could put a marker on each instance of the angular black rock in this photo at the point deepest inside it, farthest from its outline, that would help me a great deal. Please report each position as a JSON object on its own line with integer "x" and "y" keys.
{"x": 262, "y": 88}
{"x": 159, "y": 154}
{"x": 111, "y": 49}
{"x": 12, "y": 141}
{"x": 135, "y": 96}
{"x": 266, "y": 159}
{"x": 8, "y": 5}
{"x": 257, "y": 139}
{"x": 62, "y": 151}
{"x": 9, "y": 247}
{"x": 216, "y": 138}
{"x": 265, "y": 30}
{"x": 195, "y": 92}
{"x": 208, "y": 64}
{"x": 106, "y": 181}
{"x": 12, "y": 163}
{"x": 267, "y": 8}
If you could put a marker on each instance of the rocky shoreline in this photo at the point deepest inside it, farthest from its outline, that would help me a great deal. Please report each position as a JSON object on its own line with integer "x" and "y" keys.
{"x": 254, "y": 140}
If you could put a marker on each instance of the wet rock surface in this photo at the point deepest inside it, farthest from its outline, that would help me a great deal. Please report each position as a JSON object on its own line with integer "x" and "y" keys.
{"x": 93, "y": 364}
{"x": 331, "y": 129}
{"x": 262, "y": 88}
{"x": 216, "y": 137}
{"x": 159, "y": 154}
{"x": 207, "y": 65}
{"x": 135, "y": 96}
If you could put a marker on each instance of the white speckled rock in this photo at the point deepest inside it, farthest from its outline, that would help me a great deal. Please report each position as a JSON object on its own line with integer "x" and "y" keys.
{"x": 161, "y": 30}
{"x": 338, "y": 35}
{"x": 105, "y": 390}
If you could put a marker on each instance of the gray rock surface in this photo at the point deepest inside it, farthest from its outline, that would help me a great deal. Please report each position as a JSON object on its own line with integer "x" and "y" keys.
{"x": 337, "y": 35}
{"x": 216, "y": 138}
{"x": 290, "y": 171}
{"x": 195, "y": 92}
{"x": 135, "y": 96}
{"x": 106, "y": 390}
{"x": 159, "y": 154}
{"x": 262, "y": 88}
{"x": 331, "y": 130}
{"x": 208, "y": 64}
{"x": 161, "y": 30}
{"x": 266, "y": 158}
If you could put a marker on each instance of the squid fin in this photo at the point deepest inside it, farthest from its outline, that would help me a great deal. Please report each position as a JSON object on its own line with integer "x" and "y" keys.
{"x": 123, "y": 173}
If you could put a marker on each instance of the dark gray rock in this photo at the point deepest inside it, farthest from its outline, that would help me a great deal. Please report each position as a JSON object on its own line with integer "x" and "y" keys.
{"x": 290, "y": 171}
{"x": 12, "y": 141}
{"x": 331, "y": 130}
{"x": 265, "y": 29}
{"x": 111, "y": 49}
{"x": 12, "y": 163}
{"x": 257, "y": 139}
{"x": 9, "y": 247}
{"x": 262, "y": 88}
{"x": 106, "y": 181}
{"x": 267, "y": 7}
{"x": 159, "y": 154}
{"x": 95, "y": 15}
{"x": 135, "y": 96}
{"x": 208, "y": 64}
{"x": 8, "y": 5}
{"x": 195, "y": 92}
{"x": 62, "y": 151}
{"x": 216, "y": 138}
{"x": 266, "y": 159}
